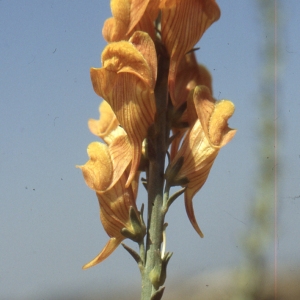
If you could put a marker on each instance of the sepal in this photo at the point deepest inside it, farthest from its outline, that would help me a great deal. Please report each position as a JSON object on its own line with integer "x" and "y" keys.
{"x": 158, "y": 294}
{"x": 172, "y": 172}
{"x": 135, "y": 256}
{"x": 174, "y": 197}
{"x": 159, "y": 273}
{"x": 138, "y": 227}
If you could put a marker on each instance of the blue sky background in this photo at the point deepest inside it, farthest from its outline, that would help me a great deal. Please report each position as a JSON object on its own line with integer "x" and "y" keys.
{"x": 49, "y": 218}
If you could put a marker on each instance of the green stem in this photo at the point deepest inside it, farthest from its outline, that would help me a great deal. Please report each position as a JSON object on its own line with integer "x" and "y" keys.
{"x": 157, "y": 147}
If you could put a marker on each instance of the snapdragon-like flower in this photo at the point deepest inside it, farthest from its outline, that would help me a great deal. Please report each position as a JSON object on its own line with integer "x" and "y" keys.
{"x": 190, "y": 74}
{"x": 202, "y": 143}
{"x": 115, "y": 202}
{"x": 119, "y": 147}
{"x": 182, "y": 25}
{"x": 126, "y": 81}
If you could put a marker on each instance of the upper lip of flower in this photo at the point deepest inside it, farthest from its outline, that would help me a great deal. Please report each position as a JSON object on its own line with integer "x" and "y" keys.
{"x": 106, "y": 123}
{"x": 213, "y": 116}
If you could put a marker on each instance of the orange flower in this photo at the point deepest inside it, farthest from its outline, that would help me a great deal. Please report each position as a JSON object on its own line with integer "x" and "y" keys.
{"x": 115, "y": 137}
{"x": 182, "y": 25}
{"x": 115, "y": 202}
{"x": 202, "y": 143}
{"x": 98, "y": 171}
{"x": 130, "y": 16}
{"x": 126, "y": 81}
{"x": 190, "y": 74}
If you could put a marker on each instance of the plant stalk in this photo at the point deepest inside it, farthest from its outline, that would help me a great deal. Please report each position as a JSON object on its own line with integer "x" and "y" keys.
{"x": 157, "y": 148}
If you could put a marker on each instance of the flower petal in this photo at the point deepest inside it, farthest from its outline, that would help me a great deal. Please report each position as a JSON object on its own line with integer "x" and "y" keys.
{"x": 214, "y": 116}
{"x": 144, "y": 44}
{"x": 196, "y": 181}
{"x": 98, "y": 171}
{"x": 202, "y": 144}
{"x": 126, "y": 83}
{"x": 106, "y": 123}
{"x": 146, "y": 23}
{"x": 135, "y": 114}
{"x": 130, "y": 16}
{"x": 115, "y": 205}
{"x": 138, "y": 8}
{"x": 218, "y": 126}
{"x": 120, "y": 150}
{"x": 199, "y": 156}
{"x": 108, "y": 249}
{"x": 188, "y": 196}
{"x": 197, "y": 16}
{"x": 126, "y": 13}
{"x": 189, "y": 75}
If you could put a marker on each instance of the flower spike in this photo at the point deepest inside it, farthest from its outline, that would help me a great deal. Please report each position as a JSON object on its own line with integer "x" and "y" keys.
{"x": 157, "y": 105}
